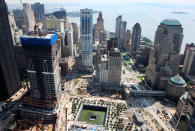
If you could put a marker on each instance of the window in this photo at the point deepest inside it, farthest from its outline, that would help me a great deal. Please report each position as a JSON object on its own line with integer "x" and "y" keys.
{"x": 165, "y": 31}
{"x": 45, "y": 67}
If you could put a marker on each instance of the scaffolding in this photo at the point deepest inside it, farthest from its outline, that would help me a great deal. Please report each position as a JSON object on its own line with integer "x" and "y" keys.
{"x": 46, "y": 104}
{"x": 39, "y": 110}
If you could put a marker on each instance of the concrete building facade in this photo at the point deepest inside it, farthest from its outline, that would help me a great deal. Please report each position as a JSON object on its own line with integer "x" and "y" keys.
{"x": 86, "y": 28}
{"x": 39, "y": 11}
{"x": 127, "y": 45}
{"x": 111, "y": 44}
{"x": 135, "y": 41}
{"x": 142, "y": 57}
{"x": 164, "y": 57}
{"x": 176, "y": 87}
{"x": 69, "y": 40}
{"x": 29, "y": 18}
{"x": 19, "y": 17}
{"x": 117, "y": 27}
{"x": 103, "y": 69}
{"x": 76, "y": 33}
{"x": 189, "y": 63}
{"x": 120, "y": 31}
{"x": 114, "y": 66}
{"x": 121, "y": 38}
{"x": 9, "y": 76}
{"x": 99, "y": 26}
{"x": 103, "y": 37}
{"x": 185, "y": 112}
{"x": 54, "y": 24}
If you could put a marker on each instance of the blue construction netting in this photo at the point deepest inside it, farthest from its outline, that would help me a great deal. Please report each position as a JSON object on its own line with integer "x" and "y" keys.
{"x": 37, "y": 41}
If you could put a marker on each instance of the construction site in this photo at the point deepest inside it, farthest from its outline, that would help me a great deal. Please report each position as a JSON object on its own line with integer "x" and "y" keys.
{"x": 132, "y": 114}
{"x": 81, "y": 105}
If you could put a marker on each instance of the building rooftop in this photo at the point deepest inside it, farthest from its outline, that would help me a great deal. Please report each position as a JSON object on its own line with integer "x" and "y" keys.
{"x": 139, "y": 117}
{"x": 85, "y": 10}
{"x": 192, "y": 48}
{"x": 36, "y": 40}
{"x": 185, "y": 96}
{"x": 178, "y": 80}
{"x": 114, "y": 52}
{"x": 171, "y": 22}
{"x": 104, "y": 58}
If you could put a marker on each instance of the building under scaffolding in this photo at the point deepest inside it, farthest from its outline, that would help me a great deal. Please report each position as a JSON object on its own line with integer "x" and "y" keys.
{"x": 42, "y": 53}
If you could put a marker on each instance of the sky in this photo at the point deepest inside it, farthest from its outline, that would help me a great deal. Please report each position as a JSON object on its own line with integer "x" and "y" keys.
{"x": 107, "y": 1}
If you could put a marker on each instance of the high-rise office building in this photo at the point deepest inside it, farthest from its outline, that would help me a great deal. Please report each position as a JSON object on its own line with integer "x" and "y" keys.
{"x": 102, "y": 37}
{"x": 188, "y": 45}
{"x": 120, "y": 31}
{"x": 42, "y": 54}
{"x": 117, "y": 27}
{"x": 19, "y": 17}
{"x": 76, "y": 33}
{"x": 123, "y": 26}
{"x": 183, "y": 56}
{"x": 39, "y": 11}
{"x": 135, "y": 41}
{"x": 185, "y": 112}
{"x": 111, "y": 44}
{"x": 189, "y": 63}
{"x": 9, "y": 75}
{"x": 127, "y": 44}
{"x": 54, "y": 24}
{"x": 164, "y": 57}
{"x": 69, "y": 40}
{"x": 29, "y": 19}
{"x": 114, "y": 66}
{"x": 103, "y": 70}
{"x": 142, "y": 56}
{"x": 99, "y": 26}
{"x": 86, "y": 28}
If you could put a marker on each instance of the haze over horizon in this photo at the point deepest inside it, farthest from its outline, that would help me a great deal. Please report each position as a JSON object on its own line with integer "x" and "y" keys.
{"x": 190, "y": 2}
{"x": 148, "y": 13}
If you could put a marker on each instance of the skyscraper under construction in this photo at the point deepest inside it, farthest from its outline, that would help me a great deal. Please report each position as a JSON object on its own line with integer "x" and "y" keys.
{"x": 42, "y": 53}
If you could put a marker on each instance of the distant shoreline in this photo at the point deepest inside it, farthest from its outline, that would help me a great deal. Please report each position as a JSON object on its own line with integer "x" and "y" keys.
{"x": 180, "y": 12}
{"x": 77, "y": 13}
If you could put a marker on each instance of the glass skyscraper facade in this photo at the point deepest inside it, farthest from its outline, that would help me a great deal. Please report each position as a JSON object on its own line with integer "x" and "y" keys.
{"x": 86, "y": 27}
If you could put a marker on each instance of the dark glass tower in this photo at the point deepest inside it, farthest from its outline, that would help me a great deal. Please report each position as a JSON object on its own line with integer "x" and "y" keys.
{"x": 136, "y": 35}
{"x": 9, "y": 75}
